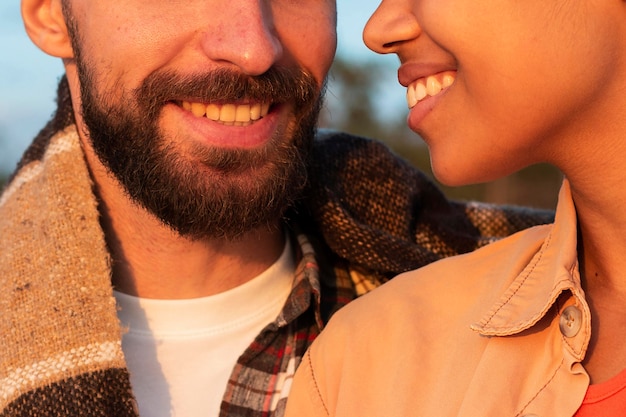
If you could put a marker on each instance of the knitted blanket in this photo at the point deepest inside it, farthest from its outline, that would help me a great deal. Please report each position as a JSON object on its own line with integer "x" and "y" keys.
{"x": 60, "y": 336}
{"x": 386, "y": 217}
{"x": 59, "y": 321}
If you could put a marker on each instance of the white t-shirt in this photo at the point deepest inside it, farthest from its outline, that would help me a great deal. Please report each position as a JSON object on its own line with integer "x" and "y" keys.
{"x": 180, "y": 353}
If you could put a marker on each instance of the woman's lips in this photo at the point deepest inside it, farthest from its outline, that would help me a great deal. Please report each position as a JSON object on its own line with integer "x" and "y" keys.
{"x": 429, "y": 86}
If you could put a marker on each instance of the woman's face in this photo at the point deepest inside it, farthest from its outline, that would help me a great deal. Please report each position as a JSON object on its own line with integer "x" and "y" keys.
{"x": 496, "y": 85}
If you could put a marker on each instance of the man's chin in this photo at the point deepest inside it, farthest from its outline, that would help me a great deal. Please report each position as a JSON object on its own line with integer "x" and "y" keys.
{"x": 224, "y": 198}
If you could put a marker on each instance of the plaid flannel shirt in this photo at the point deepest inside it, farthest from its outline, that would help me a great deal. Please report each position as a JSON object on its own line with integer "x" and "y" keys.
{"x": 261, "y": 379}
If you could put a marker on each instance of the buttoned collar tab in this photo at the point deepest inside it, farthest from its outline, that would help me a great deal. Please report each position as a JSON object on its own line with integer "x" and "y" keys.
{"x": 551, "y": 271}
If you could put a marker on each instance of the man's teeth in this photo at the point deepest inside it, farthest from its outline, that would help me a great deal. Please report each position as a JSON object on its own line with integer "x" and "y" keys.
{"x": 231, "y": 114}
{"x": 428, "y": 86}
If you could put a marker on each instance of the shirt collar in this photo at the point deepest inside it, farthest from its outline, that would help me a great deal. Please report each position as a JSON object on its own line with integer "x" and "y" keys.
{"x": 552, "y": 269}
{"x": 306, "y": 285}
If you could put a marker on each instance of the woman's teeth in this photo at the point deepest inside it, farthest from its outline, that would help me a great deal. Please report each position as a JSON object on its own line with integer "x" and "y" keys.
{"x": 428, "y": 87}
{"x": 229, "y": 114}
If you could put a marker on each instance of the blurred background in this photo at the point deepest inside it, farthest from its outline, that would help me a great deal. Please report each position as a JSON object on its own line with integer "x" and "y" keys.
{"x": 363, "y": 97}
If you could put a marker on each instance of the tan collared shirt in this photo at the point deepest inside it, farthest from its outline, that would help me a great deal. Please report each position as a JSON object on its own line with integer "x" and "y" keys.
{"x": 497, "y": 332}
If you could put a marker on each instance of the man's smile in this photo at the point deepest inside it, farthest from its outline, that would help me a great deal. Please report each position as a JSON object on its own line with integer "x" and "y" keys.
{"x": 228, "y": 114}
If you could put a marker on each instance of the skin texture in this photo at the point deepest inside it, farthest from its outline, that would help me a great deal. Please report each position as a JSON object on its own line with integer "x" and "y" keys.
{"x": 534, "y": 82}
{"x": 522, "y": 70}
{"x": 112, "y": 52}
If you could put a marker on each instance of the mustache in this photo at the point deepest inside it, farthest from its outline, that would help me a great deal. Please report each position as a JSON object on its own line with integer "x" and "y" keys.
{"x": 277, "y": 85}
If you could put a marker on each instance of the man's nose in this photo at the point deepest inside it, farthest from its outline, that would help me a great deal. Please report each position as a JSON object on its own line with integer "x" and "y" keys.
{"x": 242, "y": 33}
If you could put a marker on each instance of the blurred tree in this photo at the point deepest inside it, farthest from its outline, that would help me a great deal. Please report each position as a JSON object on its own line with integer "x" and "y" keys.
{"x": 353, "y": 104}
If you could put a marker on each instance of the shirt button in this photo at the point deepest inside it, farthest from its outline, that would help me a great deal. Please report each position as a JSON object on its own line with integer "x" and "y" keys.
{"x": 570, "y": 321}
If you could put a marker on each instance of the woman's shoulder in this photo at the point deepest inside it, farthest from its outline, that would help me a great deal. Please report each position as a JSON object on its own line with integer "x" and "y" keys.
{"x": 458, "y": 284}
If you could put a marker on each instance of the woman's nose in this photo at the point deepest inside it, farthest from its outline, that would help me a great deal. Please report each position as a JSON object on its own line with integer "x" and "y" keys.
{"x": 392, "y": 24}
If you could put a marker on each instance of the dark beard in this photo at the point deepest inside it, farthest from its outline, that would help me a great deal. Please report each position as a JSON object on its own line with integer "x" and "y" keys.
{"x": 203, "y": 192}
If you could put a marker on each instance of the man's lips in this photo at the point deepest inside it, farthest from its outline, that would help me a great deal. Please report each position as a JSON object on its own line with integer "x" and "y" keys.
{"x": 243, "y": 124}
{"x": 229, "y": 114}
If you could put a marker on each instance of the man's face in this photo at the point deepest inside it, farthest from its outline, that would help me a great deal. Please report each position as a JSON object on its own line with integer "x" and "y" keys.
{"x": 203, "y": 110}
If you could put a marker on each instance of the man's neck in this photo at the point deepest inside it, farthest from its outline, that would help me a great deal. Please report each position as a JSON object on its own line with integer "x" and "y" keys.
{"x": 151, "y": 260}
{"x": 156, "y": 263}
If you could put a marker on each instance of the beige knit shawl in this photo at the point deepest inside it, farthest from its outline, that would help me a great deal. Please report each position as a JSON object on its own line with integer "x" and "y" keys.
{"x": 54, "y": 263}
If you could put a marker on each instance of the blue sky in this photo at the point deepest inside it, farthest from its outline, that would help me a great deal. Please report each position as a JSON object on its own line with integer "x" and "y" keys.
{"x": 28, "y": 77}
